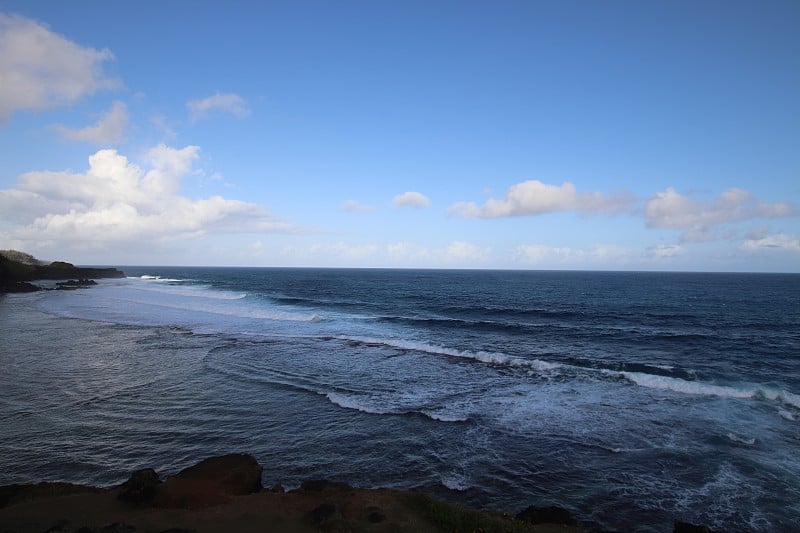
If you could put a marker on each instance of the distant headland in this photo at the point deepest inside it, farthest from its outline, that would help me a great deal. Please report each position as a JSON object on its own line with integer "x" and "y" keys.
{"x": 19, "y": 269}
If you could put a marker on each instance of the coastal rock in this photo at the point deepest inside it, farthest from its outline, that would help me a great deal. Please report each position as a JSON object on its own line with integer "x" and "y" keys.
{"x": 75, "y": 284}
{"x": 11, "y": 494}
{"x": 17, "y": 268}
{"x": 18, "y": 286}
{"x": 211, "y": 482}
{"x": 140, "y": 487}
{"x": 546, "y": 515}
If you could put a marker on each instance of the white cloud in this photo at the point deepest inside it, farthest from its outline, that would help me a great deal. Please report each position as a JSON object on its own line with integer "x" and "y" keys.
{"x": 461, "y": 251}
{"x": 354, "y": 206}
{"x": 336, "y": 253}
{"x": 779, "y": 241}
{"x": 667, "y": 250}
{"x": 40, "y": 69}
{"x": 410, "y": 199}
{"x": 109, "y": 129}
{"x": 533, "y": 197}
{"x": 539, "y": 253}
{"x": 699, "y": 219}
{"x": 599, "y": 254}
{"x": 117, "y": 202}
{"x": 226, "y": 102}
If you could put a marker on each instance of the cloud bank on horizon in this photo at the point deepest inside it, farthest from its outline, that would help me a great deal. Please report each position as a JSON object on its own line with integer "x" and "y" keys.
{"x": 299, "y": 174}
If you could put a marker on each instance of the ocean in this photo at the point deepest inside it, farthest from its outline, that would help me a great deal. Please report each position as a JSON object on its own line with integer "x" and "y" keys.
{"x": 631, "y": 399}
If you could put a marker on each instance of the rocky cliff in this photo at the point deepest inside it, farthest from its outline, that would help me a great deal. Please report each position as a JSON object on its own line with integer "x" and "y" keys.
{"x": 18, "y": 269}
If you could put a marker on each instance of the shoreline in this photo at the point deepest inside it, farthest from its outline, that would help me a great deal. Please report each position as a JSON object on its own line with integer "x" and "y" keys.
{"x": 225, "y": 494}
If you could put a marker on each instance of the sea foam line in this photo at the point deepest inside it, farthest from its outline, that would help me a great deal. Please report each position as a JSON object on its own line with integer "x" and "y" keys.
{"x": 699, "y": 388}
{"x": 348, "y": 402}
{"x": 492, "y": 358}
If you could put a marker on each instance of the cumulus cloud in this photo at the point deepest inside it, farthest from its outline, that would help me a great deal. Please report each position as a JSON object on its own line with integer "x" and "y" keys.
{"x": 699, "y": 219}
{"x": 226, "y": 102}
{"x": 354, "y": 206}
{"x": 534, "y": 197}
{"x": 40, "y": 69}
{"x": 779, "y": 241}
{"x": 410, "y": 199}
{"x": 109, "y": 129}
{"x": 116, "y": 201}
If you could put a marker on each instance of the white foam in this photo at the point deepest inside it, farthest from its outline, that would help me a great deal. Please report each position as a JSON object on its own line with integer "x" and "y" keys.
{"x": 492, "y": 358}
{"x": 741, "y": 440}
{"x": 192, "y": 291}
{"x": 687, "y": 387}
{"x": 442, "y": 417}
{"x": 699, "y": 388}
{"x": 348, "y": 402}
{"x": 455, "y": 481}
{"x": 234, "y": 310}
{"x": 782, "y": 396}
{"x": 786, "y": 415}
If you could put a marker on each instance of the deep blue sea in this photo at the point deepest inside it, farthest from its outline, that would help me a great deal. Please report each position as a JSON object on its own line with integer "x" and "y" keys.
{"x": 632, "y": 399}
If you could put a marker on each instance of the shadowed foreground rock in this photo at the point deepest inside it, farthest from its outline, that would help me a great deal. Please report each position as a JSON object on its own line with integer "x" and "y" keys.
{"x": 223, "y": 494}
{"x": 211, "y": 482}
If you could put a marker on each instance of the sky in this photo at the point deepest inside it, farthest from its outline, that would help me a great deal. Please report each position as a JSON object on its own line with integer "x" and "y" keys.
{"x": 568, "y": 135}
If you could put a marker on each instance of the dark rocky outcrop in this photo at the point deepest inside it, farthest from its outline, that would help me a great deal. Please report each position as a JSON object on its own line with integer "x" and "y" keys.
{"x": 211, "y": 482}
{"x": 11, "y": 494}
{"x": 546, "y": 515}
{"x": 141, "y": 487}
{"x": 73, "y": 284}
{"x": 18, "y": 269}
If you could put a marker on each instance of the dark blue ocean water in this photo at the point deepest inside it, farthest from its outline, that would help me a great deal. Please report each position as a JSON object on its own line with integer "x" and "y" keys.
{"x": 632, "y": 399}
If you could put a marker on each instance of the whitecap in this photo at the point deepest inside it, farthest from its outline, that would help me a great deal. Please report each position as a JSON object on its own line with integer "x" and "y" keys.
{"x": 741, "y": 440}
{"x": 492, "y": 358}
{"x": 349, "y": 402}
{"x": 455, "y": 481}
{"x": 687, "y": 387}
{"x": 439, "y": 416}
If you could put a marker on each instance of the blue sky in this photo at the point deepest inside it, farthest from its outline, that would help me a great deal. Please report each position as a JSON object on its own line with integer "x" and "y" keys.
{"x": 529, "y": 135}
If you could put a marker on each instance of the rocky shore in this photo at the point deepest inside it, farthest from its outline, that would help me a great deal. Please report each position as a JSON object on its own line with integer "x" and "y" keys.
{"x": 225, "y": 494}
{"x": 18, "y": 270}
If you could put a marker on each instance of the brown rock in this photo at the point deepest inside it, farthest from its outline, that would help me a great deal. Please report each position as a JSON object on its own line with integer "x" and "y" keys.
{"x": 140, "y": 487}
{"x": 211, "y": 482}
